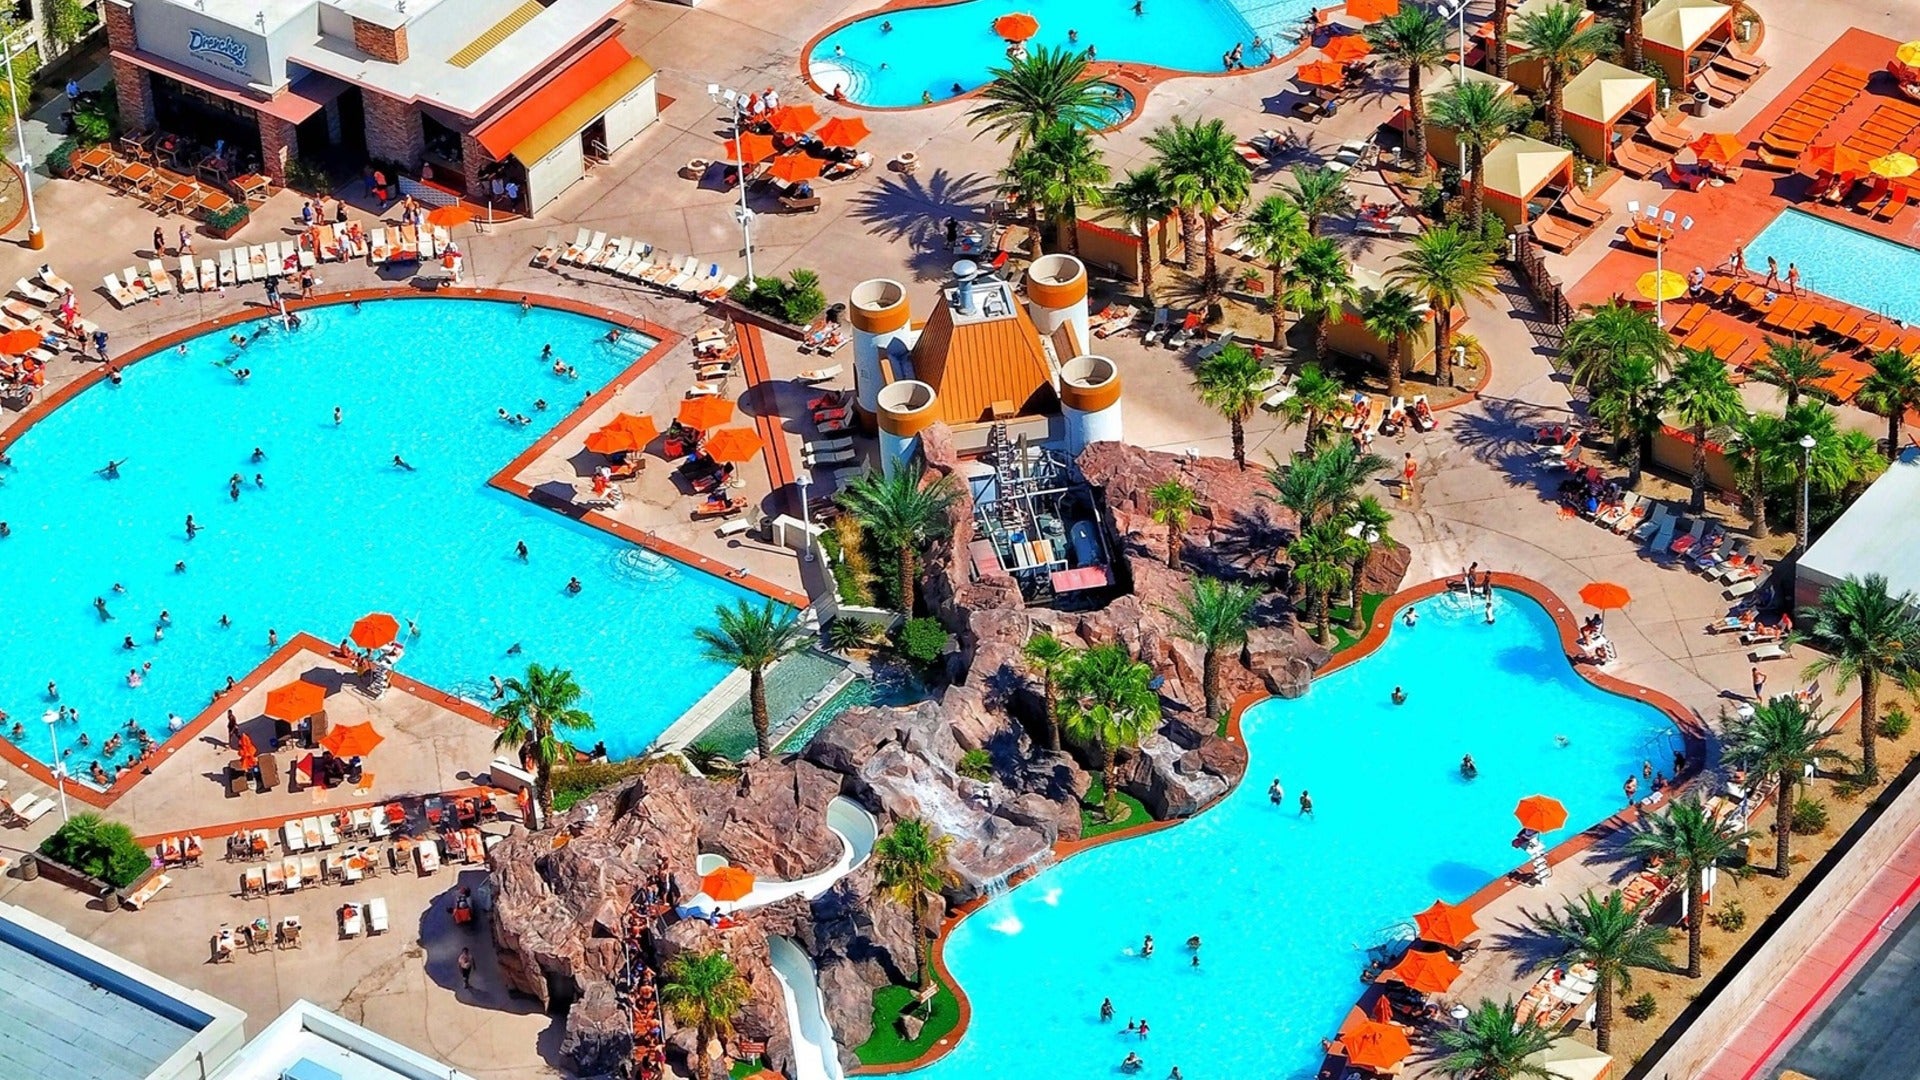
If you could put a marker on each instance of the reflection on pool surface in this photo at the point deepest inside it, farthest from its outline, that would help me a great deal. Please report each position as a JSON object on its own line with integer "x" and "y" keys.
{"x": 337, "y": 530}
{"x": 1843, "y": 263}
{"x": 1286, "y": 906}
{"x": 931, "y": 50}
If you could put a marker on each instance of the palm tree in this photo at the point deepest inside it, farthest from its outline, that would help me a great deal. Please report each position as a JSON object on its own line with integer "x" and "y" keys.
{"x": 1204, "y": 175}
{"x": 1107, "y": 699}
{"x": 1602, "y": 337}
{"x": 702, "y": 988}
{"x": 1231, "y": 382}
{"x": 1481, "y": 116}
{"x": 1273, "y": 233}
{"x": 1636, "y": 55}
{"x": 531, "y": 713}
{"x": 1373, "y": 519}
{"x": 1171, "y": 502}
{"x": 1868, "y": 633}
{"x": 1074, "y": 170}
{"x": 1628, "y": 406}
{"x": 1214, "y": 615}
{"x": 1493, "y": 1043}
{"x": 1319, "y": 192}
{"x": 751, "y": 639}
{"x": 903, "y": 513}
{"x": 1034, "y": 92}
{"x": 1392, "y": 314}
{"x": 1555, "y": 37}
{"x": 1688, "y": 841}
{"x": 1702, "y": 396}
{"x": 1892, "y": 389}
{"x": 1444, "y": 267}
{"x": 1316, "y": 396}
{"x": 1325, "y": 484}
{"x": 1841, "y": 461}
{"x": 1793, "y": 366}
{"x": 1780, "y": 738}
{"x": 1608, "y": 936}
{"x": 1502, "y": 13}
{"x": 1141, "y": 200}
{"x": 1025, "y": 180}
{"x": 1416, "y": 39}
{"x": 1754, "y": 444}
{"x": 1323, "y": 555}
{"x": 1318, "y": 284}
{"x": 1049, "y": 656}
{"x": 909, "y": 867}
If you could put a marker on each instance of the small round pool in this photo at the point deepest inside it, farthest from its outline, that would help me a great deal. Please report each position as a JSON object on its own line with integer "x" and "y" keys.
{"x": 1116, "y": 107}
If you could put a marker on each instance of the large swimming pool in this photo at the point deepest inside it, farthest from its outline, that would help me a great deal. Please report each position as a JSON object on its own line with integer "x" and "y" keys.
{"x": 1843, "y": 263}
{"x": 930, "y": 50}
{"x": 337, "y": 530}
{"x": 1286, "y": 905}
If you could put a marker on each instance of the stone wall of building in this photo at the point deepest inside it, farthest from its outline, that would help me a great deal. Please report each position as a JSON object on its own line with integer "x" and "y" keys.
{"x": 379, "y": 42}
{"x": 279, "y": 143}
{"x": 393, "y": 131}
{"x": 118, "y": 15}
{"x": 473, "y": 158}
{"x": 130, "y": 85}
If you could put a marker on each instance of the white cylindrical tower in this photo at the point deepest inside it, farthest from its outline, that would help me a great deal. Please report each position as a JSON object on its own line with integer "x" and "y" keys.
{"x": 906, "y": 409}
{"x": 880, "y": 315}
{"x": 1057, "y": 293}
{"x": 1090, "y": 401}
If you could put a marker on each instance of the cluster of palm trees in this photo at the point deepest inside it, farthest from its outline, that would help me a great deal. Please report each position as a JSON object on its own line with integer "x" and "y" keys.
{"x": 1099, "y": 696}
{"x": 1339, "y": 528}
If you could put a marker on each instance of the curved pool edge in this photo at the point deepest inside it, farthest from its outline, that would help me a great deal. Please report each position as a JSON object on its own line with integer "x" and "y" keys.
{"x": 1693, "y": 732}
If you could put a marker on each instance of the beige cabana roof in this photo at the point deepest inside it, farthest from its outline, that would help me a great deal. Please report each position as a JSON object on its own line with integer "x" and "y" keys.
{"x": 1604, "y": 92}
{"x": 1681, "y": 25}
{"x": 1442, "y": 79}
{"x": 1568, "y": 1059}
{"x": 1519, "y": 167}
{"x": 1368, "y": 284}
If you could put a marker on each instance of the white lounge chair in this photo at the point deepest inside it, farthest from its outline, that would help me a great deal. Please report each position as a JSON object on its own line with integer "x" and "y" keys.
{"x": 821, "y": 374}
{"x": 35, "y": 293}
{"x": 122, "y": 296}
{"x": 667, "y": 269}
{"x": 827, "y": 446}
{"x": 242, "y": 266}
{"x": 700, "y": 389}
{"x": 839, "y": 457}
{"x": 678, "y": 283}
{"x": 138, "y": 898}
{"x": 189, "y": 278}
{"x": 54, "y": 281}
{"x": 613, "y": 254}
{"x": 1770, "y": 651}
{"x": 545, "y": 254}
{"x": 376, "y": 916}
{"x": 209, "y": 275}
{"x": 350, "y": 921}
{"x": 228, "y": 275}
{"x": 721, "y": 288}
{"x": 594, "y": 248}
{"x": 157, "y": 274}
{"x": 136, "y": 286}
{"x": 257, "y": 259}
{"x": 576, "y": 249}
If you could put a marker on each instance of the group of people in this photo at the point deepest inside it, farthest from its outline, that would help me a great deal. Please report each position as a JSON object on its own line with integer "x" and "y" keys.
{"x": 636, "y": 987}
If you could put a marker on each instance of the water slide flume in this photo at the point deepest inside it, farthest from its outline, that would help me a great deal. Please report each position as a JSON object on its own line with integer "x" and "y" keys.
{"x": 815, "y": 1054}
{"x": 846, "y": 818}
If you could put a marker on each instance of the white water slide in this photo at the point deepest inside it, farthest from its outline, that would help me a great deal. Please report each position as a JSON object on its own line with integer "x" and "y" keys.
{"x": 815, "y": 1054}
{"x": 848, "y": 820}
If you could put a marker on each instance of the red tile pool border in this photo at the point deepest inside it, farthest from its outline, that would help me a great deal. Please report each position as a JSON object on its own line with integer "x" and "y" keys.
{"x": 1689, "y": 725}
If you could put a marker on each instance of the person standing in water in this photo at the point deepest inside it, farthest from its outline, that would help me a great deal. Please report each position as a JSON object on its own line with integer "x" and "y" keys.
{"x": 1306, "y": 804}
{"x": 1274, "y": 794}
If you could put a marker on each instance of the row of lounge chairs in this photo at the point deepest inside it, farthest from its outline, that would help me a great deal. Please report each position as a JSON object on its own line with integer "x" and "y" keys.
{"x": 636, "y": 260}
{"x": 1854, "y": 333}
{"x": 233, "y": 266}
{"x": 1885, "y": 129}
{"x": 1796, "y": 128}
{"x": 1652, "y": 147}
{"x": 1573, "y": 217}
{"x": 1728, "y": 75}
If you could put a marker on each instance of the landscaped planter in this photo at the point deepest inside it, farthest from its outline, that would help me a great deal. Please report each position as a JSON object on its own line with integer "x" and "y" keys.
{"x": 740, "y": 313}
{"x": 227, "y": 232}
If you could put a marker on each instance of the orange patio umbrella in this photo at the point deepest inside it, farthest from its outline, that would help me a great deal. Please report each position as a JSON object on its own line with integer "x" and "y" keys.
{"x": 294, "y": 701}
{"x": 1321, "y": 73}
{"x": 16, "y": 342}
{"x": 794, "y": 168}
{"x": 643, "y": 428}
{"x": 449, "y": 216}
{"x": 1016, "y": 27}
{"x": 727, "y": 883}
{"x": 352, "y": 740}
{"x": 1719, "y": 147}
{"x": 793, "y": 119}
{"x": 843, "y": 131}
{"x": 1833, "y": 159}
{"x": 1346, "y": 48}
{"x": 1445, "y": 924}
{"x": 732, "y": 444}
{"x": 750, "y": 148}
{"x": 375, "y": 630}
{"x": 1372, "y": 10}
{"x": 1540, "y": 813}
{"x": 1605, "y": 594}
{"x": 1376, "y": 1046}
{"x": 1427, "y": 972}
{"x": 705, "y": 413}
{"x": 615, "y": 438}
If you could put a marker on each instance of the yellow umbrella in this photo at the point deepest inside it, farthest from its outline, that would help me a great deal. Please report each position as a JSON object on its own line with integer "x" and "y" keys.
{"x": 1895, "y": 165}
{"x": 1661, "y": 285}
{"x": 1908, "y": 54}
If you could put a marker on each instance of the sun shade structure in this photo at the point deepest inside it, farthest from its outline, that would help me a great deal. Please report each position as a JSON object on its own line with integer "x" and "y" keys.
{"x": 1719, "y": 147}
{"x": 794, "y": 168}
{"x": 1833, "y": 159}
{"x": 1905, "y": 64}
{"x": 1675, "y": 28}
{"x": 449, "y": 216}
{"x": 732, "y": 444}
{"x": 1442, "y": 144}
{"x": 727, "y": 883}
{"x": 1601, "y": 96}
{"x": 1874, "y": 536}
{"x": 843, "y": 131}
{"x": 1520, "y": 169}
{"x": 1427, "y": 972}
{"x": 564, "y": 103}
{"x": 1540, "y": 813}
{"x": 1018, "y": 26}
{"x": 1895, "y": 165}
{"x": 1570, "y": 1059}
{"x": 615, "y": 438}
{"x": 793, "y": 119}
{"x": 1372, "y": 10}
{"x": 1445, "y": 924}
{"x": 1605, "y": 594}
{"x": 1346, "y": 48}
{"x": 295, "y": 701}
{"x": 375, "y": 630}
{"x": 1654, "y": 285}
{"x": 750, "y": 148}
{"x": 1321, "y": 73}
{"x": 1376, "y": 1046}
{"x": 352, "y": 740}
{"x": 704, "y": 414}
{"x": 15, "y": 342}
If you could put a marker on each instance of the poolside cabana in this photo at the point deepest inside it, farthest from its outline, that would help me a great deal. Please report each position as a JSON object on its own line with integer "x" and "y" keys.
{"x": 1598, "y": 102}
{"x": 1441, "y": 143}
{"x": 1570, "y": 1059}
{"x": 1682, "y": 35}
{"x": 1349, "y": 335}
{"x": 1522, "y": 69}
{"x": 1523, "y": 178}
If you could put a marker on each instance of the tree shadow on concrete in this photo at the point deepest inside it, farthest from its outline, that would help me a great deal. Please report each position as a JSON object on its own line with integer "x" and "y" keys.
{"x": 902, "y": 207}
{"x": 1501, "y": 434}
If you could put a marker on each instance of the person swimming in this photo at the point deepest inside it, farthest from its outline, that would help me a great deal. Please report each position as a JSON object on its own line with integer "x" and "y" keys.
{"x": 1146, "y": 949}
{"x": 1468, "y": 770}
{"x": 1106, "y": 1008}
{"x": 401, "y": 463}
{"x": 1306, "y": 804}
{"x": 111, "y": 470}
{"x": 1412, "y": 616}
{"x": 1399, "y": 696}
{"x": 1274, "y": 794}
{"x": 573, "y": 586}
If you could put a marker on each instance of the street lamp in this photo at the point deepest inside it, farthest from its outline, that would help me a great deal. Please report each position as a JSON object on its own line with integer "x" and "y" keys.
{"x": 1807, "y": 444}
{"x": 734, "y": 99}
{"x": 1664, "y": 226}
{"x": 805, "y": 479}
{"x": 1457, "y": 9}
{"x": 35, "y": 238}
{"x": 52, "y": 717}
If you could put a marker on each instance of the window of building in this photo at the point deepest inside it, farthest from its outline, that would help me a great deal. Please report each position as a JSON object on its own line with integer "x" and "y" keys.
{"x": 442, "y": 141}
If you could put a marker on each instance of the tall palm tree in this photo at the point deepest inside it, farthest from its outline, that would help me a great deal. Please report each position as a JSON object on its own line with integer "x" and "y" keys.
{"x": 703, "y": 989}
{"x": 1373, "y": 520}
{"x": 1273, "y": 233}
{"x": 1048, "y": 656}
{"x": 1026, "y": 179}
{"x": 1555, "y": 37}
{"x": 1214, "y": 615}
{"x": 1841, "y": 461}
{"x": 1608, "y": 936}
{"x": 1754, "y": 444}
{"x": 751, "y": 639}
{"x": 1230, "y": 382}
{"x": 1325, "y": 484}
{"x": 1493, "y": 1043}
{"x": 1502, "y": 14}
{"x": 1628, "y": 407}
{"x": 1034, "y": 92}
{"x": 1689, "y": 841}
{"x": 1793, "y": 366}
{"x": 1107, "y": 699}
{"x": 1636, "y": 55}
{"x": 1445, "y": 267}
{"x": 1318, "y": 284}
{"x": 1702, "y": 396}
{"x": 1316, "y": 396}
{"x": 910, "y": 867}
{"x": 532, "y": 713}
{"x": 1075, "y": 172}
{"x": 1205, "y": 175}
{"x": 1780, "y": 738}
{"x": 1392, "y": 315}
{"x": 1481, "y": 116}
{"x": 1416, "y": 39}
{"x": 1596, "y": 342}
{"x": 1319, "y": 192}
{"x": 1323, "y": 556}
{"x": 903, "y": 513}
{"x": 1891, "y": 389}
{"x": 1141, "y": 200}
{"x": 1171, "y": 502}
{"x": 1868, "y": 634}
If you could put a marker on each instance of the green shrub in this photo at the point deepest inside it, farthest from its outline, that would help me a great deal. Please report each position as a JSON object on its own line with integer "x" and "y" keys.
{"x": 921, "y": 640}
{"x": 852, "y": 567}
{"x": 1893, "y": 723}
{"x": 572, "y": 783}
{"x": 1537, "y": 130}
{"x": 846, "y": 634}
{"x": 232, "y": 217}
{"x": 1432, "y": 198}
{"x": 92, "y": 127}
{"x": 98, "y": 848}
{"x": 308, "y": 177}
{"x": 976, "y": 765}
{"x": 1643, "y": 1007}
{"x": 798, "y": 299}
{"x": 1731, "y": 916}
{"x": 712, "y": 761}
{"x": 60, "y": 158}
{"x": 69, "y": 20}
{"x": 1809, "y": 816}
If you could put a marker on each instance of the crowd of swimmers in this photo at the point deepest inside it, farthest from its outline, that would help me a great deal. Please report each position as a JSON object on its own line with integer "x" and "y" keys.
{"x": 1140, "y": 1029}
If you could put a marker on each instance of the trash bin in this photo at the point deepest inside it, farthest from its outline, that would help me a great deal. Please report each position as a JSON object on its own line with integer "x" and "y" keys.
{"x": 29, "y": 868}
{"x": 1699, "y": 103}
{"x": 110, "y": 899}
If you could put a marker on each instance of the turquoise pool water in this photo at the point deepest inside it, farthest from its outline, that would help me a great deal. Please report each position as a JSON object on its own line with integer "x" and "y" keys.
{"x": 932, "y": 49}
{"x": 1286, "y": 906}
{"x": 1117, "y": 106}
{"x": 337, "y": 530}
{"x": 1843, "y": 263}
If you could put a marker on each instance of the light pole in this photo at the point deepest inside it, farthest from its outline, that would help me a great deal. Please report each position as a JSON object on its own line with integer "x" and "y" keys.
{"x": 1664, "y": 226}
{"x": 1807, "y": 444}
{"x": 1457, "y": 9}
{"x": 35, "y": 238}
{"x": 743, "y": 215}
{"x": 805, "y": 479}
{"x": 52, "y": 718}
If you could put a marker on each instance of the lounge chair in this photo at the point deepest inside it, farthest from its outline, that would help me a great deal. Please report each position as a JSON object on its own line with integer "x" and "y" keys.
{"x": 1578, "y": 207}
{"x": 376, "y": 916}
{"x": 1158, "y": 328}
{"x": 827, "y": 446}
{"x": 1718, "y": 94}
{"x": 593, "y": 249}
{"x": 157, "y": 274}
{"x": 227, "y": 274}
{"x": 1771, "y": 651}
{"x": 350, "y": 921}
{"x": 838, "y": 457}
{"x": 1639, "y": 160}
{"x": 614, "y": 254}
{"x": 1733, "y": 60}
{"x": 1612, "y": 516}
{"x": 800, "y": 205}
{"x": 189, "y": 279}
{"x": 820, "y": 375}
{"x": 35, "y": 293}
{"x": 257, "y": 259}
{"x": 576, "y": 249}
{"x": 122, "y": 296}
{"x": 721, "y": 288}
{"x": 1555, "y": 234}
{"x": 1669, "y": 137}
{"x": 638, "y": 258}
{"x": 54, "y": 281}
{"x": 138, "y": 898}
{"x": 134, "y": 285}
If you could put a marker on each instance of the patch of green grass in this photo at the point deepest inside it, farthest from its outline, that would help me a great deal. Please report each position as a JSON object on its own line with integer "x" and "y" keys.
{"x": 1344, "y": 638}
{"x": 889, "y": 1045}
{"x": 572, "y": 783}
{"x": 1093, "y": 823}
{"x": 743, "y": 1069}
